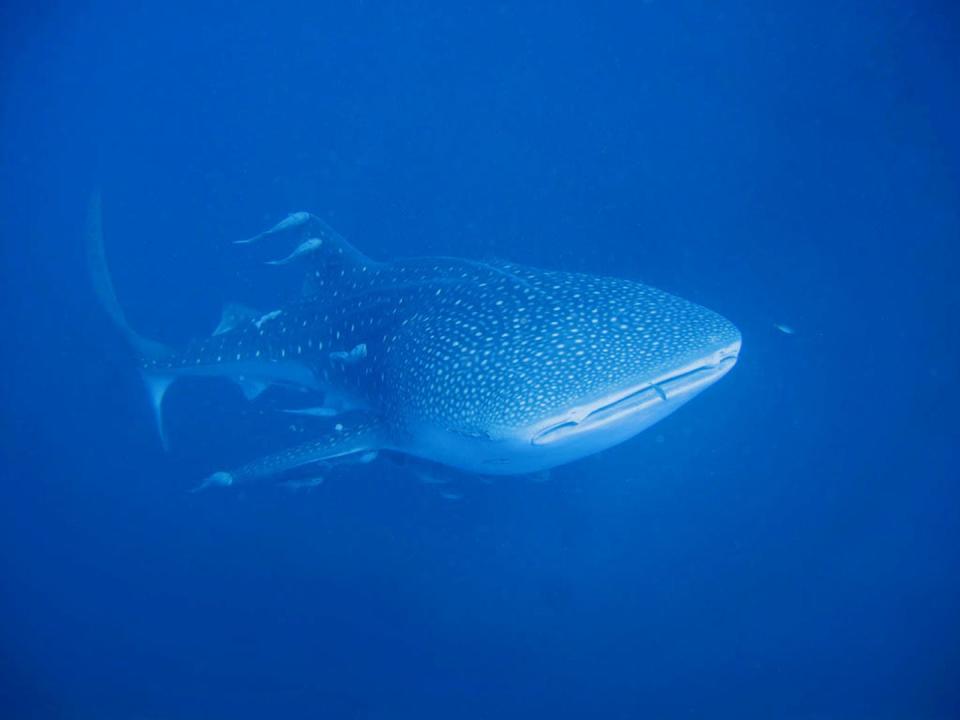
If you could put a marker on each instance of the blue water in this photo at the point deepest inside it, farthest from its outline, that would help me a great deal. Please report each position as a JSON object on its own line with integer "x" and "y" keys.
{"x": 786, "y": 546}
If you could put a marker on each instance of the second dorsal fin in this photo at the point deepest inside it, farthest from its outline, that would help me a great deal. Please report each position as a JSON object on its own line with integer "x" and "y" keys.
{"x": 234, "y": 315}
{"x": 328, "y": 258}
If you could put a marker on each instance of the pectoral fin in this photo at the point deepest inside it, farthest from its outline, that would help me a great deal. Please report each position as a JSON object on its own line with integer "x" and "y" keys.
{"x": 355, "y": 433}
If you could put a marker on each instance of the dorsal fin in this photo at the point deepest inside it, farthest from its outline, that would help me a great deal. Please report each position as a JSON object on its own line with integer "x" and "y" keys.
{"x": 330, "y": 258}
{"x": 334, "y": 249}
{"x": 234, "y": 315}
{"x": 357, "y": 433}
{"x": 322, "y": 250}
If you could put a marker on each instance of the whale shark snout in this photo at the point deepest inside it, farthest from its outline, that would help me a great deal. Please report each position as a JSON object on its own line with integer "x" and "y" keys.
{"x": 600, "y": 421}
{"x": 608, "y": 420}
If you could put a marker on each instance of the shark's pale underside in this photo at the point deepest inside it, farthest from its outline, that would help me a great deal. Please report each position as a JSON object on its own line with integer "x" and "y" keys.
{"x": 488, "y": 367}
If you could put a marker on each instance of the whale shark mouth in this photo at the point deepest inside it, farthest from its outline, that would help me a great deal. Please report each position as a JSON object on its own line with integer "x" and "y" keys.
{"x": 642, "y": 405}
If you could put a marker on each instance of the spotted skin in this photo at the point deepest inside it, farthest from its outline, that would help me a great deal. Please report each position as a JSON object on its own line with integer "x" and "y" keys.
{"x": 462, "y": 360}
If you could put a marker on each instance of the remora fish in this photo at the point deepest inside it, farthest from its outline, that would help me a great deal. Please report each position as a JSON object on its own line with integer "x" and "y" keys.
{"x": 489, "y": 367}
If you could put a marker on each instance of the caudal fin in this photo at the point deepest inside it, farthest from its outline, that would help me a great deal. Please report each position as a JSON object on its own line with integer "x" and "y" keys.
{"x": 148, "y": 350}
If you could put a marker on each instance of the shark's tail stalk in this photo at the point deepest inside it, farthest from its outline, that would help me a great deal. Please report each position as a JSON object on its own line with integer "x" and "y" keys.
{"x": 149, "y": 351}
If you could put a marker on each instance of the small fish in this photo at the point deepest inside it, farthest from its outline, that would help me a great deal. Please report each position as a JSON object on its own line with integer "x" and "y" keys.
{"x": 452, "y": 496}
{"x": 218, "y": 479}
{"x": 785, "y": 329}
{"x": 304, "y": 248}
{"x": 428, "y": 478}
{"x": 313, "y": 411}
{"x": 268, "y": 317}
{"x": 540, "y": 477}
{"x": 289, "y": 222}
{"x": 302, "y": 484}
{"x": 356, "y": 355}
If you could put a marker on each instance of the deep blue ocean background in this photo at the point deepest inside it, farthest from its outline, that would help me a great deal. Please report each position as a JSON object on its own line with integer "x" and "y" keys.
{"x": 786, "y": 546}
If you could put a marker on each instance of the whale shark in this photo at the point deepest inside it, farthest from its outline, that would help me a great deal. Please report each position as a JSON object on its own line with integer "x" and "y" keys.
{"x": 487, "y": 367}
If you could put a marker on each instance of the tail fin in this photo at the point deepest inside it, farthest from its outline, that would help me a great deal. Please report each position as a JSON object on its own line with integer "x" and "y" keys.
{"x": 157, "y": 383}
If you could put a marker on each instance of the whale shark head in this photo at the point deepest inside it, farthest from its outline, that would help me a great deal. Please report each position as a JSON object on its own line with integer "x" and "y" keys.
{"x": 529, "y": 369}
{"x": 595, "y": 423}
